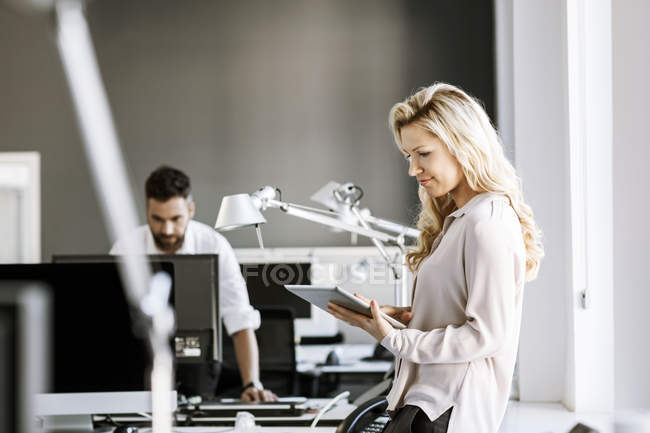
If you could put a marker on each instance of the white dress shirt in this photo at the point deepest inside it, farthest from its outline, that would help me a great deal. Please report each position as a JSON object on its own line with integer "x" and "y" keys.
{"x": 236, "y": 310}
{"x": 461, "y": 345}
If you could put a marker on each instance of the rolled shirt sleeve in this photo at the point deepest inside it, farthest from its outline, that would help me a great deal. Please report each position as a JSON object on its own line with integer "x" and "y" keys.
{"x": 236, "y": 311}
{"x": 490, "y": 257}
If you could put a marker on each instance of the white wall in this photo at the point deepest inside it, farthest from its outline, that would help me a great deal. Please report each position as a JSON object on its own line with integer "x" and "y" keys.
{"x": 541, "y": 159}
{"x": 503, "y": 43}
{"x": 581, "y": 122}
{"x": 631, "y": 59}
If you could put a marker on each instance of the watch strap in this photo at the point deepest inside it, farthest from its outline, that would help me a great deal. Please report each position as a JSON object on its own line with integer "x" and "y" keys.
{"x": 253, "y": 384}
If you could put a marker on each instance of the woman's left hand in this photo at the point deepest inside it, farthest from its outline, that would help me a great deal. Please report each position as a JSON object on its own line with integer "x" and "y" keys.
{"x": 376, "y": 325}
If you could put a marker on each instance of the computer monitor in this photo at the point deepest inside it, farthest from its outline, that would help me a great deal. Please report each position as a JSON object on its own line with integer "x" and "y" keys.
{"x": 297, "y": 264}
{"x": 24, "y": 325}
{"x": 266, "y": 281}
{"x": 100, "y": 357}
{"x": 196, "y": 301}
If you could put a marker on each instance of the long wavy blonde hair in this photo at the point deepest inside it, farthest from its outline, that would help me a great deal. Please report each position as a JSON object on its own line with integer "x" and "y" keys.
{"x": 460, "y": 122}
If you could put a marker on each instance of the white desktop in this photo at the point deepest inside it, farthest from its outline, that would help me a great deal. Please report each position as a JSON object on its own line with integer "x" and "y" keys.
{"x": 65, "y": 411}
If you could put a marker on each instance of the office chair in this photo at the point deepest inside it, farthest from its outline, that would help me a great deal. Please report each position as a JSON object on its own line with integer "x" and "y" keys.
{"x": 277, "y": 350}
{"x": 276, "y": 341}
{"x": 581, "y": 428}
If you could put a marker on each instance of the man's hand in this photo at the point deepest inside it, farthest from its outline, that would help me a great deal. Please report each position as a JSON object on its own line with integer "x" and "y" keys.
{"x": 247, "y": 355}
{"x": 253, "y": 394}
{"x": 376, "y": 325}
{"x": 402, "y": 314}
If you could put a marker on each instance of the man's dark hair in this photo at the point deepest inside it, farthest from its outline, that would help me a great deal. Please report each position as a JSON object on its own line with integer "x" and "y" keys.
{"x": 167, "y": 182}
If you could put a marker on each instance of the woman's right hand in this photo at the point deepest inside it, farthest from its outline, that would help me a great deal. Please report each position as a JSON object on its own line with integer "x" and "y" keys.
{"x": 401, "y": 314}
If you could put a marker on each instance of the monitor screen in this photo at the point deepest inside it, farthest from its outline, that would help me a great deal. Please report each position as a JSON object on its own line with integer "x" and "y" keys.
{"x": 196, "y": 288}
{"x": 265, "y": 282}
{"x": 98, "y": 343}
{"x": 8, "y": 407}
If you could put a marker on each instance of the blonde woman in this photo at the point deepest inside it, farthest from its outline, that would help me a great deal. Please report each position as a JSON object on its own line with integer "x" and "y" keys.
{"x": 479, "y": 244}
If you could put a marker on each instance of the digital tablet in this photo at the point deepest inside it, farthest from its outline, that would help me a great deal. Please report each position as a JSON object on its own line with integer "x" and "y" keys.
{"x": 321, "y": 295}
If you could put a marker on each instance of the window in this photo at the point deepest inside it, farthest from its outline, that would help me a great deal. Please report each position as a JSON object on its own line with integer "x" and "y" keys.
{"x": 20, "y": 218}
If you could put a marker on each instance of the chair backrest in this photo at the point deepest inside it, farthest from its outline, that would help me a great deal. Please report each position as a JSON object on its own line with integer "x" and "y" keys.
{"x": 277, "y": 350}
{"x": 276, "y": 340}
{"x": 581, "y": 428}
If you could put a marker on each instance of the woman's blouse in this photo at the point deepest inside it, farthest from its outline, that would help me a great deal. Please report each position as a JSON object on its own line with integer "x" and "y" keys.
{"x": 461, "y": 345}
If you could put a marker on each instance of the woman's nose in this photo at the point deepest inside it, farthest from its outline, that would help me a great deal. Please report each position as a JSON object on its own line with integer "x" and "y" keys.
{"x": 413, "y": 168}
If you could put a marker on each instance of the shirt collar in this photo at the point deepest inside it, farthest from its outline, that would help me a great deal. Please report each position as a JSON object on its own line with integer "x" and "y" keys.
{"x": 473, "y": 202}
{"x": 189, "y": 243}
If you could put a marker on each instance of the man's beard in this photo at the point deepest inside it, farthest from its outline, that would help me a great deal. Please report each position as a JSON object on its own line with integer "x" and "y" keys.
{"x": 167, "y": 247}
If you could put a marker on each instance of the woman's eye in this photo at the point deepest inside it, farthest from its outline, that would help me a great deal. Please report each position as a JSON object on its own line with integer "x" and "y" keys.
{"x": 407, "y": 157}
{"x": 423, "y": 154}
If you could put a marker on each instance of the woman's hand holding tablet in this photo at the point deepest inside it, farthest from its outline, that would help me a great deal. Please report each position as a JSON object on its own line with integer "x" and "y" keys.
{"x": 354, "y": 310}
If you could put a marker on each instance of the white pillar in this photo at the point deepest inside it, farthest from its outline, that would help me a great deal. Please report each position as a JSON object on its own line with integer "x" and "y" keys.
{"x": 590, "y": 377}
{"x": 562, "y": 117}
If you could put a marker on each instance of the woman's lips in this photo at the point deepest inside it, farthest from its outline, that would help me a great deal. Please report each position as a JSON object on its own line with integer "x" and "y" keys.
{"x": 424, "y": 181}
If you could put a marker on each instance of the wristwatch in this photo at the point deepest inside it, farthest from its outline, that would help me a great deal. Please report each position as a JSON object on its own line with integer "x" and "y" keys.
{"x": 253, "y": 384}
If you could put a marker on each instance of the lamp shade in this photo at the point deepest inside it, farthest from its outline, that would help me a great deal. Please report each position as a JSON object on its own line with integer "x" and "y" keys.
{"x": 237, "y": 211}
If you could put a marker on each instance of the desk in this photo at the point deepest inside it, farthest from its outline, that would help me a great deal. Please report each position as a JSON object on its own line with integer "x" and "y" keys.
{"x": 258, "y": 430}
{"x": 331, "y": 418}
{"x": 351, "y": 374}
{"x": 350, "y": 355}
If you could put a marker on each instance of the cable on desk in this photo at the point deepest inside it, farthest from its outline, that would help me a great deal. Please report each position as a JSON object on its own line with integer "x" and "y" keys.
{"x": 327, "y": 407}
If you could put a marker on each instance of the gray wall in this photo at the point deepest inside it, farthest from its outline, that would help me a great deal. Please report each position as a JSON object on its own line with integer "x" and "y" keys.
{"x": 631, "y": 61}
{"x": 240, "y": 95}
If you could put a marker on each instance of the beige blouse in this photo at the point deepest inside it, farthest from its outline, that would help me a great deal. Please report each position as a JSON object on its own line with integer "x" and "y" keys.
{"x": 461, "y": 345}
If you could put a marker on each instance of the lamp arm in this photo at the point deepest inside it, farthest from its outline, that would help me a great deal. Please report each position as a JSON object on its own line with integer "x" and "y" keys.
{"x": 393, "y": 227}
{"x": 278, "y": 204}
{"x": 264, "y": 198}
{"x": 377, "y": 243}
{"x": 309, "y": 215}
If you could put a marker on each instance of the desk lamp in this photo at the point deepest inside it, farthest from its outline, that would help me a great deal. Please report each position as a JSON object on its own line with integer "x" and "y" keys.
{"x": 236, "y": 212}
